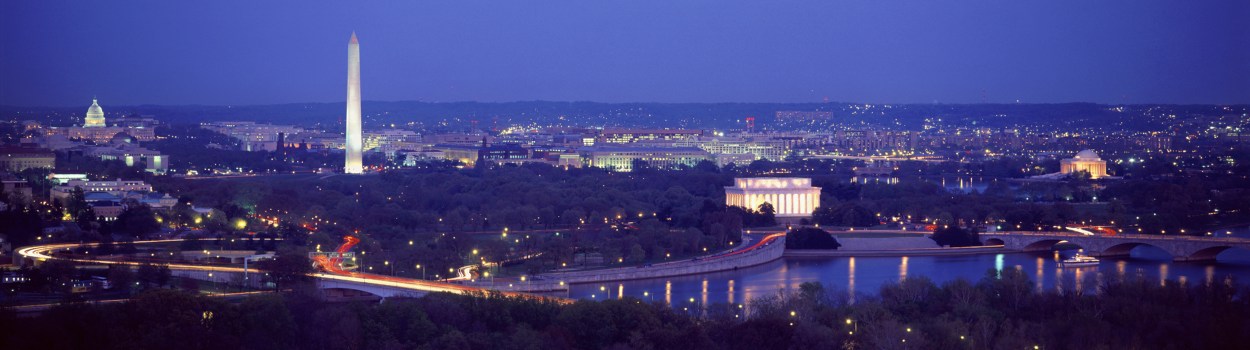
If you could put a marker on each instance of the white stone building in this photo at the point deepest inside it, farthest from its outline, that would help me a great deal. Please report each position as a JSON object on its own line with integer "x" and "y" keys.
{"x": 791, "y": 197}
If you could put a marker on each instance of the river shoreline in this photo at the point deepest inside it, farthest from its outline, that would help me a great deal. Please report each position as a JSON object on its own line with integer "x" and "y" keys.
{"x": 813, "y": 253}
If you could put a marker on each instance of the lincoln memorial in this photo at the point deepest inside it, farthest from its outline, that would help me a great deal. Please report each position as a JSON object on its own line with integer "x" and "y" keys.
{"x": 791, "y": 197}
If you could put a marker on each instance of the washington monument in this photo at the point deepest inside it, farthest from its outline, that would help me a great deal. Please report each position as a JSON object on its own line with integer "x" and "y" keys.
{"x": 353, "y": 144}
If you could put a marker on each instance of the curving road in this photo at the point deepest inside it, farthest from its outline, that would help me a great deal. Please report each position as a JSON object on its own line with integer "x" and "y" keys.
{"x": 46, "y": 252}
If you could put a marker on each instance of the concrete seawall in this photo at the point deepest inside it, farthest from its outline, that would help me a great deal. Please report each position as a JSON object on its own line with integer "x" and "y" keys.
{"x": 809, "y": 253}
{"x": 765, "y": 254}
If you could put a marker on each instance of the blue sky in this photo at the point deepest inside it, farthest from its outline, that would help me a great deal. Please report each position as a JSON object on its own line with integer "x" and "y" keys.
{"x": 61, "y": 53}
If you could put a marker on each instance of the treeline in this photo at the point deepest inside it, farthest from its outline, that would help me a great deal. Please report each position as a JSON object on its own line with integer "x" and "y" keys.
{"x": 1002, "y": 311}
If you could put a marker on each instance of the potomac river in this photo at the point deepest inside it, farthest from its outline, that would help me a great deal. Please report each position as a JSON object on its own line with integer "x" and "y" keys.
{"x": 858, "y": 276}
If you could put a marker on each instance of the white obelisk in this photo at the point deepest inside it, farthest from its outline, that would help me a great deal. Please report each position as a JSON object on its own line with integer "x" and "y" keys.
{"x": 353, "y": 145}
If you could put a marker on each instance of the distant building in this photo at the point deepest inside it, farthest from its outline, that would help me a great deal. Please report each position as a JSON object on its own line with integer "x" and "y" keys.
{"x": 389, "y": 141}
{"x": 791, "y": 197}
{"x": 466, "y": 154}
{"x": 618, "y": 158}
{"x": 94, "y": 128}
{"x": 16, "y": 159}
{"x": 772, "y": 151}
{"x": 803, "y": 115}
{"x": 114, "y": 187}
{"x": 62, "y": 179}
{"x": 12, "y": 185}
{"x": 737, "y": 159}
{"x": 259, "y": 137}
{"x": 1086, "y": 161}
{"x": 637, "y": 135}
{"x": 153, "y": 161}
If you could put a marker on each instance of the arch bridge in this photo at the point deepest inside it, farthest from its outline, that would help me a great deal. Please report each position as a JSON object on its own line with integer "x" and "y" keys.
{"x": 1182, "y": 248}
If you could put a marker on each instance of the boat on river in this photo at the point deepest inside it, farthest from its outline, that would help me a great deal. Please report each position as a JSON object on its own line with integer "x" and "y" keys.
{"x": 1080, "y": 260}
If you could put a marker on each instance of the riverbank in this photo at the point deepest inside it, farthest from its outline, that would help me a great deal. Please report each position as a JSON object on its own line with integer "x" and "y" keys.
{"x": 890, "y": 246}
{"x": 810, "y": 253}
{"x": 767, "y": 250}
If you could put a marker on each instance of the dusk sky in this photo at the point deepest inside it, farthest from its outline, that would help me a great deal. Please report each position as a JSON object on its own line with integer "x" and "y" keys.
{"x": 61, "y": 53}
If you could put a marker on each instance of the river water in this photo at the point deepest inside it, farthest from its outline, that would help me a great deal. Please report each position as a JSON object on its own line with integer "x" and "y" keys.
{"x": 857, "y": 276}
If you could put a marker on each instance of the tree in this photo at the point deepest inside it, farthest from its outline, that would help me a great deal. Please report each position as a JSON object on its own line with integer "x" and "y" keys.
{"x": 290, "y": 265}
{"x": 21, "y": 225}
{"x": 137, "y": 219}
{"x": 78, "y": 209}
{"x": 637, "y": 254}
{"x": 153, "y": 275}
{"x": 955, "y": 236}
{"x": 768, "y": 215}
{"x": 810, "y": 238}
{"x": 121, "y": 277}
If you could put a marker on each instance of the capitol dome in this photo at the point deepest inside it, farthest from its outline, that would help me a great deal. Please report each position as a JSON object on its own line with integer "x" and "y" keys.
{"x": 1087, "y": 155}
{"x": 95, "y": 115}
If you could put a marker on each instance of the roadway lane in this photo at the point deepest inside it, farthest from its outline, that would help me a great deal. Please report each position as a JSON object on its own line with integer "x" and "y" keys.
{"x": 45, "y": 253}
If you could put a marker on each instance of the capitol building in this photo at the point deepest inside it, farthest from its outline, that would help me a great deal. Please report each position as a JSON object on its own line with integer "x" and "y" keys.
{"x": 791, "y": 197}
{"x": 95, "y": 128}
{"x": 1086, "y": 161}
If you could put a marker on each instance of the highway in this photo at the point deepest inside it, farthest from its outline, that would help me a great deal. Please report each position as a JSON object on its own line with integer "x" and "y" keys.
{"x": 47, "y": 252}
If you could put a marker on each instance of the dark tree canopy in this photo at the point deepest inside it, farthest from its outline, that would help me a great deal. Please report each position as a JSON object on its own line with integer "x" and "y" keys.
{"x": 810, "y": 238}
{"x": 955, "y": 236}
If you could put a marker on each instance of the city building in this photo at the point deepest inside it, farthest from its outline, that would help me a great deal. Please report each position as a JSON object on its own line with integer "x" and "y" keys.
{"x": 16, "y": 159}
{"x": 1084, "y": 161}
{"x": 772, "y": 151}
{"x": 130, "y": 154}
{"x": 636, "y": 135}
{"x": 470, "y": 155}
{"x": 622, "y": 158}
{"x": 466, "y": 154}
{"x": 803, "y": 115}
{"x": 389, "y": 141}
{"x": 114, "y": 187}
{"x": 11, "y": 185}
{"x": 257, "y": 136}
{"x": 94, "y": 128}
{"x": 791, "y": 197}
{"x": 353, "y": 144}
{"x": 62, "y": 179}
{"x": 737, "y": 159}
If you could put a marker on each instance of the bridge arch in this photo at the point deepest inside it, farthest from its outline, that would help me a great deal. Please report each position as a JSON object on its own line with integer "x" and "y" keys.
{"x": 1123, "y": 249}
{"x": 1046, "y": 245}
{"x": 994, "y": 241}
{"x": 1210, "y": 253}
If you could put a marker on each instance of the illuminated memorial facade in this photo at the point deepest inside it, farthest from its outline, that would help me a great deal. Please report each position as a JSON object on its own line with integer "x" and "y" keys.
{"x": 791, "y": 197}
{"x": 1086, "y": 161}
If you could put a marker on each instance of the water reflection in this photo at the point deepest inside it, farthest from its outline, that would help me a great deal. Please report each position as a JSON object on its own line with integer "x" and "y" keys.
{"x": 902, "y": 270}
{"x": 1039, "y": 274}
{"x": 668, "y": 292}
{"x": 704, "y": 295}
{"x": 998, "y": 265}
{"x": 850, "y": 284}
{"x": 1163, "y": 274}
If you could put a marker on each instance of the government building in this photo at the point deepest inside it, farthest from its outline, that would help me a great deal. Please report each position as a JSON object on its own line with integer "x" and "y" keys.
{"x": 1086, "y": 161}
{"x": 791, "y": 197}
{"x": 94, "y": 128}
